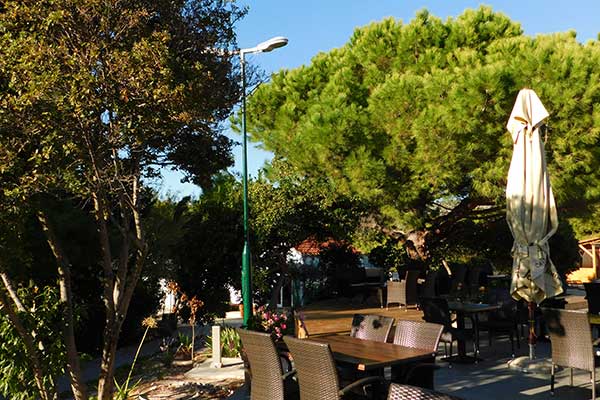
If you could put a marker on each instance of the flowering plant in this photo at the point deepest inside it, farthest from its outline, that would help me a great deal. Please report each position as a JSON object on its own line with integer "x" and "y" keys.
{"x": 277, "y": 323}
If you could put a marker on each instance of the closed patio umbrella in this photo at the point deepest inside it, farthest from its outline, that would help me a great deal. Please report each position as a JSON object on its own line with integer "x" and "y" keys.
{"x": 530, "y": 209}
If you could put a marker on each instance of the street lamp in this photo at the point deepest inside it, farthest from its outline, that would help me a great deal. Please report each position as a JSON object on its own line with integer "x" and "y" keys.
{"x": 264, "y": 47}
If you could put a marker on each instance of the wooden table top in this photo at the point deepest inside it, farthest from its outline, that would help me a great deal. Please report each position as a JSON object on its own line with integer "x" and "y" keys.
{"x": 368, "y": 354}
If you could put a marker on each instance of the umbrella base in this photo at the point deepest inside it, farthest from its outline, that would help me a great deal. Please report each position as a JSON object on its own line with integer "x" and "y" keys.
{"x": 531, "y": 366}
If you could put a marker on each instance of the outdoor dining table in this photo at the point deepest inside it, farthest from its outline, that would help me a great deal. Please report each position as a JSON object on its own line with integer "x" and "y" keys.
{"x": 462, "y": 309}
{"x": 369, "y": 355}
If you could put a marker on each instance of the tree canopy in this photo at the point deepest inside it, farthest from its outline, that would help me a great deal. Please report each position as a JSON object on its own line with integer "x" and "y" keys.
{"x": 95, "y": 95}
{"x": 410, "y": 119}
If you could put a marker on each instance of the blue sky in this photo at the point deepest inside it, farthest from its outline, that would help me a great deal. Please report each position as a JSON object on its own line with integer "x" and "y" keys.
{"x": 314, "y": 26}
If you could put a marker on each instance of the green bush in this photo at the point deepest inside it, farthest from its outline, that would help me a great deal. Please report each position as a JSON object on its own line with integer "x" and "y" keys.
{"x": 16, "y": 376}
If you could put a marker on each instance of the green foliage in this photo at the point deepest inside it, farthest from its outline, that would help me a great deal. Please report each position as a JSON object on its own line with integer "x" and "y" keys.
{"x": 124, "y": 391}
{"x": 340, "y": 263}
{"x": 185, "y": 342}
{"x": 43, "y": 317}
{"x": 231, "y": 344}
{"x": 389, "y": 256}
{"x": 207, "y": 257}
{"x": 286, "y": 210}
{"x": 409, "y": 119}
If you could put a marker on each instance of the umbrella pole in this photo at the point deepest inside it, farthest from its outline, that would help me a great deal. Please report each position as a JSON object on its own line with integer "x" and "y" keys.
{"x": 532, "y": 337}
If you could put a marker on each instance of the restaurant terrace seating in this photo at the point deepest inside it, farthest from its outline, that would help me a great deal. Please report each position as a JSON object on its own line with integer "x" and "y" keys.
{"x": 421, "y": 335}
{"x": 318, "y": 376}
{"x": 436, "y": 310}
{"x": 503, "y": 321}
{"x": 572, "y": 347}
{"x": 268, "y": 380}
{"x": 371, "y": 327}
{"x": 404, "y": 293}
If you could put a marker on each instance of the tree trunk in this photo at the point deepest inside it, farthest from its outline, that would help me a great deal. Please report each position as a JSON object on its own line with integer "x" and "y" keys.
{"x": 66, "y": 297}
{"x": 120, "y": 290}
{"x": 107, "y": 366}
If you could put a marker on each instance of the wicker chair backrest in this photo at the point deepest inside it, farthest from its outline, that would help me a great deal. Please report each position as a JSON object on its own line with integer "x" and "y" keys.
{"x": 267, "y": 382}
{"x": 436, "y": 310}
{"x": 571, "y": 338}
{"x": 371, "y": 327}
{"x": 406, "y": 392}
{"x": 315, "y": 367}
{"x": 396, "y": 292}
{"x": 421, "y": 335}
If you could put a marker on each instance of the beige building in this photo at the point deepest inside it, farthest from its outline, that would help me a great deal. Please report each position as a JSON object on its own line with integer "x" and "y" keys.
{"x": 590, "y": 262}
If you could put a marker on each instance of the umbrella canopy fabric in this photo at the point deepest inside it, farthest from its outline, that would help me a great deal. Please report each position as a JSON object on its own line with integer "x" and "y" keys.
{"x": 530, "y": 207}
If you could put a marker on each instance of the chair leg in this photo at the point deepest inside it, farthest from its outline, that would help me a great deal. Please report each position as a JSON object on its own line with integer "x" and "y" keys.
{"x": 571, "y": 377}
{"x": 552, "y": 379}
{"x": 593, "y": 383}
{"x": 512, "y": 344}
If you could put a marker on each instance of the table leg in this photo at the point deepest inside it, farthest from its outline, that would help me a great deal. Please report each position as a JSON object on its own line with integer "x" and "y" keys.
{"x": 462, "y": 357}
{"x": 422, "y": 376}
{"x": 460, "y": 325}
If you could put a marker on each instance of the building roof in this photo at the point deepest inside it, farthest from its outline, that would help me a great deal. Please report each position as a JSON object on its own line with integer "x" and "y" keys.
{"x": 592, "y": 240}
{"x": 311, "y": 246}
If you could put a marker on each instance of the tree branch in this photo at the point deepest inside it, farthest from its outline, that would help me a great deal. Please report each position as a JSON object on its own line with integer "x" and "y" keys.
{"x": 66, "y": 297}
{"x": 12, "y": 292}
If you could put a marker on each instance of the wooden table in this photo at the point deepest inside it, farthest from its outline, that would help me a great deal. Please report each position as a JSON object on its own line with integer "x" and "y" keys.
{"x": 462, "y": 309}
{"x": 370, "y": 355}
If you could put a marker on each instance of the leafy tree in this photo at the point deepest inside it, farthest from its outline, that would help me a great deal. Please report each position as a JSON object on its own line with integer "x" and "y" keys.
{"x": 285, "y": 211}
{"x": 94, "y": 96}
{"x": 409, "y": 119}
{"x": 207, "y": 258}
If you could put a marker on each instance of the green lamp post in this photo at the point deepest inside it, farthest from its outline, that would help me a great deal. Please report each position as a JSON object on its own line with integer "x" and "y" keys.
{"x": 263, "y": 47}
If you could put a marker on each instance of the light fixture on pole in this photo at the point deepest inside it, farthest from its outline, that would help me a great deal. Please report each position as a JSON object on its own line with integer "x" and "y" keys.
{"x": 264, "y": 47}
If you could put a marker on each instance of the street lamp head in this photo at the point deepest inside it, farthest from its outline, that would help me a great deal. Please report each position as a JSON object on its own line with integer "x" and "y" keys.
{"x": 272, "y": 44}
{"x": 266, "y": 46}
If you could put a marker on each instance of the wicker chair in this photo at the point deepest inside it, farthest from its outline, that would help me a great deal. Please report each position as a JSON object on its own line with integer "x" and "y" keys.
{"x": 317, "y": 372}
{"x": 406, "y": 392}
{"x": 371, "y": 327}
{"x": 436, "y": 311}
{"x": 268, "y": 380}
{"x": 503, "y": 321}
{"x": 421, "y": 335}
{"x": 572, "y": 347}
{"x": 429, "y": 287}
{"x": 404, "y": 292}
{"x": 592, "y": 295}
